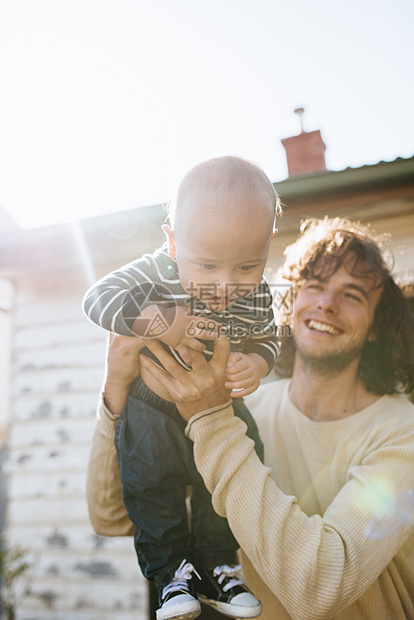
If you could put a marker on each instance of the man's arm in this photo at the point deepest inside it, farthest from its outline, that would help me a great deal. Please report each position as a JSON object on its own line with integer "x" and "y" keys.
{"x": 104, "y": 489}
{"x": 316, "y": 566}
{"x": 107, "y": 512}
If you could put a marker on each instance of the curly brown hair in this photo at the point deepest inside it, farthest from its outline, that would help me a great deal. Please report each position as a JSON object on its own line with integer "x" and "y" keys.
{"x": 387, "y": 363}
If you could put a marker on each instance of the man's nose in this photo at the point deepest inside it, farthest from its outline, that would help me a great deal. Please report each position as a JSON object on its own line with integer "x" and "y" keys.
{"x": 328, "y": 302}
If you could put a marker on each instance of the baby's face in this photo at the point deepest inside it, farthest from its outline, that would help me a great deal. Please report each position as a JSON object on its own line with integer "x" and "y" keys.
{"x": 218, "y": 263}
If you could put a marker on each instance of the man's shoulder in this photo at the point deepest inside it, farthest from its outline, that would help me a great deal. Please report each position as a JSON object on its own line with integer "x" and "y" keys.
{"x": 399, "y": 406}
{"x": 390, "y": 419}
{"x": 268, "y": 395}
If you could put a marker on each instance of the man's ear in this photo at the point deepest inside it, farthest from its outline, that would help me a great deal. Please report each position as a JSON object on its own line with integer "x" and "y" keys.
{"x": 372, "y": 336}
{"x": 169, "y": 234}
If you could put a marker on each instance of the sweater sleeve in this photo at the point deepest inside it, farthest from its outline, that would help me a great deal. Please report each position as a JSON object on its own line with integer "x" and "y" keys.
{"x": 319, "y": 565}
{"x": 117, "y": 299}
{"x": 104, "y": 488}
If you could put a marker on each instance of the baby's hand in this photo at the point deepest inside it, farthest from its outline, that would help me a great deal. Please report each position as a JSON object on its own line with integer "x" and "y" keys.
{"x": 243, "y": 375}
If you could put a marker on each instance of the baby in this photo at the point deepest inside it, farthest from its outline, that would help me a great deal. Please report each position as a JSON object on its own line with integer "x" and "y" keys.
{"x": 207, "y": 279}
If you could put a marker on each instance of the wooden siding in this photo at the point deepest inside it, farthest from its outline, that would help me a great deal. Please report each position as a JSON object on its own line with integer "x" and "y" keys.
{"x": 57, "y": 371}
{"x": 6, "y": 304}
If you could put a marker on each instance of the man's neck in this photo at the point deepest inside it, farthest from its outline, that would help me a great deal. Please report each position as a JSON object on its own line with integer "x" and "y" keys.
{"x": 324, "y": 397}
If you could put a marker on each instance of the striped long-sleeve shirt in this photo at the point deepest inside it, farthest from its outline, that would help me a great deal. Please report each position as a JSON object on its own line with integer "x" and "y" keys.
{"x": 118, "y": 299}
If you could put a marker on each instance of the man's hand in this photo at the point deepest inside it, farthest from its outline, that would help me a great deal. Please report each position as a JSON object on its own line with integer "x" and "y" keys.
{"x": 122, "y": 368}
{"x": 243, "y": 374}
{"x": 198, "y": 389}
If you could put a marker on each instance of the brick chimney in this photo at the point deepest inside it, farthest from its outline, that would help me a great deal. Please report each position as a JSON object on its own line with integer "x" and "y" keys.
{"x": 305, "y": 152}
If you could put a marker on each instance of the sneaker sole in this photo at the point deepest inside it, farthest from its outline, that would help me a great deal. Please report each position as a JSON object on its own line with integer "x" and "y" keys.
{"x": 234, "y": 611}
{"x": 188, "y": 612}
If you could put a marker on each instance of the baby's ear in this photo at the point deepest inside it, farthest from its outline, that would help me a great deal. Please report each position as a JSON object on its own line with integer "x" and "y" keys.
{"x": 169, "y": 234}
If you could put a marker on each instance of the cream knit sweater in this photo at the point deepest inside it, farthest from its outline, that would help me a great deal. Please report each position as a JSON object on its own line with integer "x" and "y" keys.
{"x": 326, "y": 525}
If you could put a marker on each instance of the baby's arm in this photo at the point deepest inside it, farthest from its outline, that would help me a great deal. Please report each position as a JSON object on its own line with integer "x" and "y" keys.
{"x": 136, "y": 300}
{"x": 244, "y": 372}
{"x": 117, "y": 299}
{"x": 245, "y": 369}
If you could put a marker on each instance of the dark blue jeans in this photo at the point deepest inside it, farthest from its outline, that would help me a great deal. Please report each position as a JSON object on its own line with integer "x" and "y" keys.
{"x": 156, "y": 465}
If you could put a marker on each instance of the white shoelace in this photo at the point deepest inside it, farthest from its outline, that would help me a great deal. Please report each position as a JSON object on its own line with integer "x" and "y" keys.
{"x": 233, "y": 573}
{"x": 179, "y": 581}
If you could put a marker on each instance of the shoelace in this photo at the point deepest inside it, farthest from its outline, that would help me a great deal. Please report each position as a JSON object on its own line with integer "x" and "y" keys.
{"x": 181, "y": 576}
{"x": 232, "y": 573}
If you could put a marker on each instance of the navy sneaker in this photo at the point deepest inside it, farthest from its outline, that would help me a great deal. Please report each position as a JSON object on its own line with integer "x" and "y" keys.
{"x": 224, "y": 588}
{"x": 178, "y": 599}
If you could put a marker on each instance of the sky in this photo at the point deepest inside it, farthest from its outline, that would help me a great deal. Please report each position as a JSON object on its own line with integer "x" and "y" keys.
{"x": 105, "y": 104}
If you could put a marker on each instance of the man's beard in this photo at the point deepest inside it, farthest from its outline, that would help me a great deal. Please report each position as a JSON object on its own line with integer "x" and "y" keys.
{"x": 330, "y": 364}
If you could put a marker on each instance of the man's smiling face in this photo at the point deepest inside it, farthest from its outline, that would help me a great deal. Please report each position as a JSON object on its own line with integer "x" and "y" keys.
{"x": 333, "y": 316}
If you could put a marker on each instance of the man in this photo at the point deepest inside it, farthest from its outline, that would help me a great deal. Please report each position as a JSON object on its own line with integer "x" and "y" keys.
{"x": 326, "y": 526}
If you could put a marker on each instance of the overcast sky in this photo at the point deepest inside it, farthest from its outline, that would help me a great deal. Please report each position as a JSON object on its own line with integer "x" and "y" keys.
{"x": 105, "y": 104}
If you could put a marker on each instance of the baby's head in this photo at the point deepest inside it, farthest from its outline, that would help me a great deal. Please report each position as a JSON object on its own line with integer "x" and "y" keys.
{"x": 218, "y": 184}
{"x": 220, "y": 228}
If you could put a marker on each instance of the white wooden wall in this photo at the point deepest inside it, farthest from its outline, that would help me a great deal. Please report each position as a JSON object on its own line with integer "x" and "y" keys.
{"x": 57, "y": 370}
{"x": 6, "y": 305}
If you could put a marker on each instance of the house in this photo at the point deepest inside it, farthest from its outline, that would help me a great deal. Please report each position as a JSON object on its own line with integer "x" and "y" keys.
{"x": 55, "y": 359}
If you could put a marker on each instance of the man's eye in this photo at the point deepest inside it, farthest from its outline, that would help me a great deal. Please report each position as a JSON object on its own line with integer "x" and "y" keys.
{"x": 354, "y": 297}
